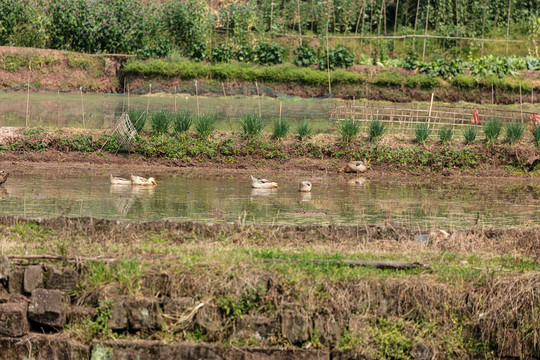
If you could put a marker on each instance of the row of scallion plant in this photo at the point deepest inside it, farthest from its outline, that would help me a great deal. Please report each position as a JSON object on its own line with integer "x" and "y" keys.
{"x": 493, "y": 129}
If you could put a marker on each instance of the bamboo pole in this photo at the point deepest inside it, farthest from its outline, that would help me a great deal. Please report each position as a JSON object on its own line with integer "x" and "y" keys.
{"x": 457, "y": 24}
{"x": 128, "y": 94}
{"x": 425, "y": 31}
{"x": 357, "y": 23}
{"x": 395, "y": 18}
{"x": 327, "y": 52}
{"x": 271, "y": 15}
{"x": 406, "y": 36}
{"x": 299, "y": 22}
{"x": 82, "y": 108}
{"x": 197, "y": 97}
{"x": 416, "y": 19}
{"x": 227, "y": 106}
{"x": 148, "y": 99}
{"x": 280, "y": 107}
{"x": 258, "y": 98}
{"x": 27, "y": 101}
{"x": 430, "y": 107}
{"x": 58, "y": 106}
{"x": 175, "y": 99}
{"x": 483, "y": 26}
{"x": 520, "y": 103}
{"x": 508, "y": 25}
{"x": 384, "y": 13}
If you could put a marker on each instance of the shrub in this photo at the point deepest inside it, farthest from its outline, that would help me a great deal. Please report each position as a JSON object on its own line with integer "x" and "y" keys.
{"x": 514, "y": 132}
{"x": 197, "y": 51}
{"x": 304, "y": 130}
{"x": 376, "y": 129}
{"x": 389, "y": 78}
{"x": 305, "y": 55}
{"x": 161, "y": 120}
{"x": 421, "y": 81}
{"x": 269, "y": 54}
{"x": 187, "y": 24}
{"x": 464, "y": 81}
{"x": 252, "y": 125}
{"x": 182, "y": 121}
{"x": 339, "y": 57}
{"x": 349, "y": 130}
{"x": 445, "y": 135}
{"x": 221, "y": 53}
{"x": 492, "y": 130}
{"x": 470, "y": 135}
{"x": 280, "y": 128}
{"x": 137, "y": 117}
{"x": 244, "y": 54}
{"x": 205, "y": 125}
{"x": 421, "y": 132}
{"x": 536, "y": 134}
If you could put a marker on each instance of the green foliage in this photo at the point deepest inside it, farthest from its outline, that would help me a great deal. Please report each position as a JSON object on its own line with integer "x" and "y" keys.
{"x": 464, "y": 81}
{"x": 470, "y": 135}
{"x": 514, "y": 132}
{"x": 240, "y": 18}
{"x": 349, "y": 130}
{"x": 442, "y": 68}
{"x": 244, "y": 53}
{"x": 187, "y": 24}
{"x": 205, "y": 125}
{"x": 268, "y": 53}
{"x": 197, "y": 51}
{"x": 389, "y": 78}
{"x": 445, "y": 135}
{"x": 100, "y": 326}
{"x": 221, "y": 53}
{"x": 280, "y": 128}
{"x": 304, "y": 130}
{"x": 421, "y": 81}
{"x": 305, "y": 55}
{"x": 182, "y": 121}
{"x": 422, "y": 132}
{"x": 161, "y": 120}
{"x": 391, "y": 339}
{"x": 492, "y": 130}
{"x": 338, "y": 57}
{"x": 376, "y": 129}
{"x": 137, "y": 117}
{"x": 536, "y": 134}
{"x": 125, "y": 272}
{"x": 492, "y": 65}
{"x": 252, "y": 125}
{"x": 236, "y": 307}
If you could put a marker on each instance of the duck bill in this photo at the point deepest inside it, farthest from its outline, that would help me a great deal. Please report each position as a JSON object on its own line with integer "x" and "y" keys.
{"x": 277, "y": 186}
{"x": 154, "y": 183}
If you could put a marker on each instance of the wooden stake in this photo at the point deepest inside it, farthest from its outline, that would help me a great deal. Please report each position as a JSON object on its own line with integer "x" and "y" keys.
{"x": 395, "y": 19}
{"x": 271, "y": 14}
{"x": 520, "y": 103}
{"x": 492, "y": 97}
{"x": 280, "y": 104}
{"x": 328, "y": 55}
{"x": 430, "y": 107}
{"x": 148, "y": 100}
{"x": 299, "y": 22}
{"x": 82, "y": 108}
{"x": 416, "y": 19}
{"x": 425, "y": 31}
{"x": 197, "y": 97}
{"x": 58, "y": 107}
{"x": 27, "y": 101}
{"x": 532, "y": 99}
{"x": 226, "y": 106}
{"x": 258, "y": 98}
{"x": 175, "y": 99}
{"x": 483, "y": 26}
{"x": 508, "y": 25}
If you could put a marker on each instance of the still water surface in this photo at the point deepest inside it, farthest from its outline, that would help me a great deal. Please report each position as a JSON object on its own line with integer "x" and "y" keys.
{"x": 229, "y": 198}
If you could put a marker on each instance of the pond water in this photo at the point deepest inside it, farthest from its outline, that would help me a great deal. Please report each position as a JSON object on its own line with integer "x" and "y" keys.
{"x": 412, "y": 201}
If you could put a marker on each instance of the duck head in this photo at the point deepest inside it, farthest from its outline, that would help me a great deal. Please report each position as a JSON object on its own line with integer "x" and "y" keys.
{"x": 304, "y": 186}
{"x": 152, "y": 180}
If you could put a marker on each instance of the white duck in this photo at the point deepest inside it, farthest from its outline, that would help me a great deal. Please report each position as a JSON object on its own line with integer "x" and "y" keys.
{"x": 257, "y": 183}
{"x": 304, "y": 186}
{"x": 138, "y": 180}
{"x": 116, "y": 180}
{"x": 354, "y": 167}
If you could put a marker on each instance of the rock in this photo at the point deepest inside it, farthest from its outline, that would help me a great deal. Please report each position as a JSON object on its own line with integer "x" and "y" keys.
{"x": 33, "y": 278}
{"x": 5, "y": 267}
{"x": 178, "y": 305}
{"x": 208, "y": 319}
{"x": 48, "y": 308}
{"x": 13, "y": 318}
{"x": 80, "y": 314}
{"x": 295, "y": 326}
{"x": 328, "y": 329}
{"x": 42, "y": 347}
{"x": 15, "y": 283}
{"x": 143, "y": 314}
{"x": 118, "y": 320}
{"x": 257, "y": 326}
{"x": 156, "y": 284}
{"x": 61, "y": 278}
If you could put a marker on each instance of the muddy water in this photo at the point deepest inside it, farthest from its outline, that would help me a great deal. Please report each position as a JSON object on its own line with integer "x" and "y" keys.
{"x": 229, "y": 198}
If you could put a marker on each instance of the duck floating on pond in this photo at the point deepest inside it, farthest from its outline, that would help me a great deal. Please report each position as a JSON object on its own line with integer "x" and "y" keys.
{"x": 258, "y": 183}
{"x": 304, "y": 186}
{"x": 354, "y": 167}
{"x": 3, "y": 176}
{"x": 139, "y": 180}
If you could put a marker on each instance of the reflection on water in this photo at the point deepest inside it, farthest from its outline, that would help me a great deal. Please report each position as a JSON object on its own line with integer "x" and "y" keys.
{"x": 334, "y": 200}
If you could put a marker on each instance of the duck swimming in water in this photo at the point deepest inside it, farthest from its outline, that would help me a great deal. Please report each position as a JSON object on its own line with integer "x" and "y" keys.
{"x": 3, "y": 176}
{"x": 116, "y": 180}
{"x": 258, "y": 183}
{"x": 139, "y": 180}
{"x": 304, "y": 186}
{"x": 354, "y": 167}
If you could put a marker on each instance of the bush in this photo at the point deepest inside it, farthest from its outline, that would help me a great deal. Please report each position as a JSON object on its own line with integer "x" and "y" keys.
{"x": 137, "y": 117}
{"x": 470, "y": 135}
{"x": 182, "y": 121}
{"x": 421, "y": 81}
{"x": 304, "y": 130}
{"x": 252, "y": 125}
{"x": 536, "y": 134}
{"x": 376, "y": 129}
{"x": 422, "y": 132}
{"x": 389, "y": 78}
{"x": 464, "y": 81}
{"x": 187, "y": 24}
{"x": 161, "y": 120}
{"x": 445, "y": 135}
{"x": 339, "y": 57}
{"x": 269, "y": 54}
{"x": 221, "y": 53}
{"x": 492, "y": 130}
{"x": 244, "y": 54}
{"x": 514, "y": 132}
{"x": 205, "y": 125}
{"x": 305, "y": 55}
{"x": 280, "y": 128}
{"x": 349, "y": 130}
{"x": 197, "y": 51}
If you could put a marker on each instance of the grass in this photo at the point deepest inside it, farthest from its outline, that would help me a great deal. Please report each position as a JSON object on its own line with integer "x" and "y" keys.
{"x": 182, "y": 121}
{"x": 445, "y": 135}
{"x": 422, "y": 132}
{"x": 470, "y": 135}
{"x": 280, "y": 128}
{"x": 514, "y": 132}
{"x": 205, "y": 125}
{"x": 536, "y": 134}
{"x": 492, "y": 130}
{"x": 137, "y": 117}
{"x": 349, "y": 130}
{"x": 304, "y": 130}
{"x": 376, "y": 130}
{"x": 161, "y": 121}
{"x": 252, "y": 125}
